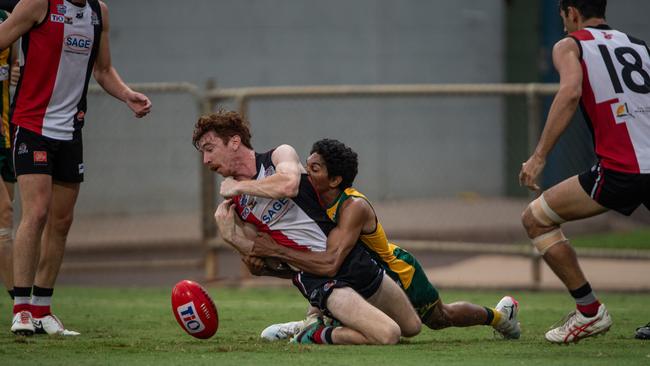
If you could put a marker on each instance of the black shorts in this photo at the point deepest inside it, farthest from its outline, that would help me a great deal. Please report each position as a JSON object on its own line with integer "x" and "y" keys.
{"x": 37, "y": 154}
{"x": 7, "y": 166}
{"x": 621, "y": 192}
{"x": 359, "y": 272}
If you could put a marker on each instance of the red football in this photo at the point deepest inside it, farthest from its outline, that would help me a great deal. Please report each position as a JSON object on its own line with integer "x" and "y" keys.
{"x": 194, "y": 309}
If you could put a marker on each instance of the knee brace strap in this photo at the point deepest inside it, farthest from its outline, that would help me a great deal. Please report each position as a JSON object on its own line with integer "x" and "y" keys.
{"x": 545, "y": 241}
{"x": 5, "y": 232}
{"x": 544, "y": 214}
{"x": 5, "y": 237}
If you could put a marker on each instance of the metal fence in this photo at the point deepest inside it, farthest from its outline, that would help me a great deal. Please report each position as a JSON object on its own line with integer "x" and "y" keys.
{"x": 208, "y": 99}
{"x": 243, "y": 97}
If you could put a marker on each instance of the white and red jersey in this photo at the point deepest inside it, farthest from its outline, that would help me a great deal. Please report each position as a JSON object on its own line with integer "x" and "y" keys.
{"x": 616, "y": 97}
{"x": 57, "y": 58}
{"x": 300, "y": 222}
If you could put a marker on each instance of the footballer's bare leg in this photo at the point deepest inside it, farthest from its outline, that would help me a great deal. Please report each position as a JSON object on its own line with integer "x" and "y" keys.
{"x": 64, "y": 197}
{"x": 567, "y": 201}
{"x": 456, "y": 314}
{"x": 6, "y": 225}
{"x": 392, "y": 300}
{"x": 570, "y": 202}
{"x": 36, "y": 194}
{"x": 55, "y": 235}
{"x": 363, "y": 323}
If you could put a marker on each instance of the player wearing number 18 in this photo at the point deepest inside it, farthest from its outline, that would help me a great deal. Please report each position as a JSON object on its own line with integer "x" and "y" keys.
{"x": 607, "y": 73}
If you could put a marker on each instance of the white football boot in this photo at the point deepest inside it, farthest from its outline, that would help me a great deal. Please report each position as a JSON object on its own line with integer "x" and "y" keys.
{"x": 51, "y": 325}
{"x": 22, "y": 324}
{"x": 281, "y": 331}
{"x": 508, "y": 327}
{"x": 576, "y": 326}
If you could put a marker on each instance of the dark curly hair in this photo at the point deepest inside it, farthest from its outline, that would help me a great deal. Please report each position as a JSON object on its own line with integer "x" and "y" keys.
{"x": 587, "y": 8}
{"x": 339, "y": 159}
{"x": 225, "y": 124}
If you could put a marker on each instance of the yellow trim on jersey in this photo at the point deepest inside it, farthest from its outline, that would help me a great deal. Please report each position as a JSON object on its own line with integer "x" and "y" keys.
{"x": 376, "y": 241}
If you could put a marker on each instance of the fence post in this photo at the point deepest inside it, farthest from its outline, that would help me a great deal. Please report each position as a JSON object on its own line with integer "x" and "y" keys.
{"x": 534, "y": 126}
{"x": 208, "y": 202}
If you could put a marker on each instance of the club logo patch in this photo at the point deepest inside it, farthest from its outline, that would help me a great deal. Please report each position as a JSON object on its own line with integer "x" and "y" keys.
{"x": 40, "y": 157}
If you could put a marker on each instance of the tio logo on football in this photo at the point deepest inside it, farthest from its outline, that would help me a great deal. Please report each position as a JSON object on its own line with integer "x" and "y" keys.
{"x": 191, "y": 320}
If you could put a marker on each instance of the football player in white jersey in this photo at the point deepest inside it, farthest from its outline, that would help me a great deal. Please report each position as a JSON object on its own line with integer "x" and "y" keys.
{"x": 607, "y": 73}
{"x": 373, "y": 309}
{"x": 68, "y": 41}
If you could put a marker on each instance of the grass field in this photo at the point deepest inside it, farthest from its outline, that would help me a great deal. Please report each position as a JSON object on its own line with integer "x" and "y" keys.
{"x": 136, "y": 327}
{"x": 635, "y": 239}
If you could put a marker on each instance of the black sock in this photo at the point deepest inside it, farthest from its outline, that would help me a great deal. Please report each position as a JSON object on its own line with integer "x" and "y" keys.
{"x": 22, "y": 291}
{"x": 489, "y": 317}
{"x": 43, "y": 292}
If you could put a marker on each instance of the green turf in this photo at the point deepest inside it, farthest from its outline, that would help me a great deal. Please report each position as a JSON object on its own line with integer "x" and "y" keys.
{"x": 136, "y": 327}
{"x": 635, "y": 239}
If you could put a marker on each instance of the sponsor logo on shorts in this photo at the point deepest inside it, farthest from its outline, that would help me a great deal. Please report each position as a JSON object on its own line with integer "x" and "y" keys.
{"x": 329, "y": 285}
{"x": 61, "y": 9}
{"x": 40, "y": 157}
{"x": 191, "y": 321}
{"x": 56, "y": 18}
{"x": 81, "y": 168}
{"x": 80, "y": 116}
{"x": 22, "y": 149}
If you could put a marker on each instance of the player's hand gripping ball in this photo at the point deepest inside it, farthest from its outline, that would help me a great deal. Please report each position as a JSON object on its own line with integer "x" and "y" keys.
{"x": 194, "y": 310}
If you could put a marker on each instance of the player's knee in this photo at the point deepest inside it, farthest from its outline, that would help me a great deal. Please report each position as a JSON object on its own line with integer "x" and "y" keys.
{"x": 61, "y": 224}
{"x": 412, "y": 327}
{"x": 36, "y": 217}
{"x": 389, "y": 334}
{"x": 538, "y": 218}
{"x": 5, "y": 236}
{"x": 6, "y": 213}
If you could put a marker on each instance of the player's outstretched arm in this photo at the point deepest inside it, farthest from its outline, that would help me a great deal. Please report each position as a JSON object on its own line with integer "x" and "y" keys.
{"x": 25, "y": 15}
{"x": 110, "y": 80}
{"x": 239, "y": 235}
{"x": 232, "y": 230}
{"x": 566, "y": 58}
{"x": 283, "y": 184}
{"x": 340, "y": 242}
